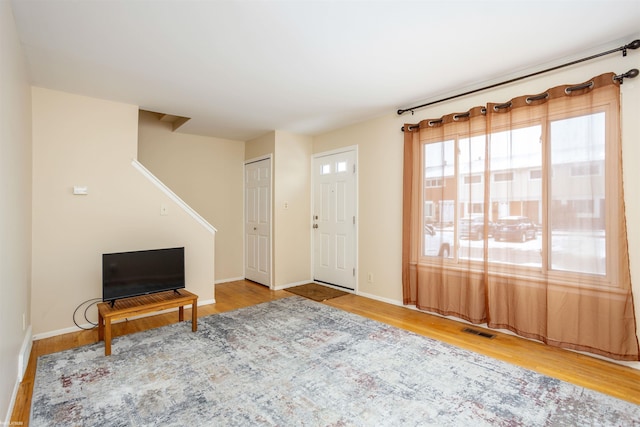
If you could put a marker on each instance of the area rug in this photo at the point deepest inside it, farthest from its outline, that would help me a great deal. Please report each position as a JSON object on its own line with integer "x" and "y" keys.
{"x": 296, "y": 362}
{"x": 316, "y": 292}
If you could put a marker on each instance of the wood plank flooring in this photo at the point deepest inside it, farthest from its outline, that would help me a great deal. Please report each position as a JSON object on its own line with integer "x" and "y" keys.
{"x": 604, "y": 376}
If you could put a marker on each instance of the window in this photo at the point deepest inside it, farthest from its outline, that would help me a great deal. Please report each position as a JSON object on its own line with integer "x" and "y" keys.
{"x": 529, "y": 232}
{"x": 329, "y": 168}
{"x": 577, "y": 238}
{"x": 574, "y": 238}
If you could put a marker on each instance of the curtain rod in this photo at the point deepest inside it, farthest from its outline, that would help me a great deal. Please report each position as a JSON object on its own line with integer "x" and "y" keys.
{"x": 633, "y": 45}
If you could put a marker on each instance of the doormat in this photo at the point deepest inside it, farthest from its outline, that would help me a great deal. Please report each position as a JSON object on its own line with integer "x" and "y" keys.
{"x": 316, "y": 292}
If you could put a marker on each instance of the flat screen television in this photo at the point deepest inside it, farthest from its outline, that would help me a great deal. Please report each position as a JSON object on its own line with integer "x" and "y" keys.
{"x": 129, "y": 274}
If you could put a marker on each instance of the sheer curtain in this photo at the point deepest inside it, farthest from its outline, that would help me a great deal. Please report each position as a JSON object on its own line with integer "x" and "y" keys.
{"x": 514, "y": 217}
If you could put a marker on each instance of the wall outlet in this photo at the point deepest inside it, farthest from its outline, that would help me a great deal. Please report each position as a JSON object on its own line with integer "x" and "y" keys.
{"x": 370, "y": 277}
{"x": 286, "y": 205}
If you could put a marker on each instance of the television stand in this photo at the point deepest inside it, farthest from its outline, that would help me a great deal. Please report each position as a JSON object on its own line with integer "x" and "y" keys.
{"x": 135, "y": 306}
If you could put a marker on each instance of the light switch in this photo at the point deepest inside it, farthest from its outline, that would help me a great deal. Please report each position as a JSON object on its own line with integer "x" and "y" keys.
{"x": 164, "y": 210}
{"x": 80, "y": 190}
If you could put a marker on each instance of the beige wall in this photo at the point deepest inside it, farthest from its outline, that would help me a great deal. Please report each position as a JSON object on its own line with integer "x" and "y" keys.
{"x": 206, "y": 173}
{"x": 90, "y": 142}
{"x": 260, "y": 147}
{"x": 15, "y": 199}
{"x": 292, "y": 224}
{"x": 380, "y": 169}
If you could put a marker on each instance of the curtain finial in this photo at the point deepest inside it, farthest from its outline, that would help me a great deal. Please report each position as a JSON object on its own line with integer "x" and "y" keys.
{"x": 631, "y": 74}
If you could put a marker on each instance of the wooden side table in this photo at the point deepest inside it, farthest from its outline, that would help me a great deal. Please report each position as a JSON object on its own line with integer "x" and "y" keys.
{"x": 130, "y": 307}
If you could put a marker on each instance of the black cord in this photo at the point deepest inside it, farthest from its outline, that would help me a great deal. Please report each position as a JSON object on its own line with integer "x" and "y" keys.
{"x": 92, "y": 301}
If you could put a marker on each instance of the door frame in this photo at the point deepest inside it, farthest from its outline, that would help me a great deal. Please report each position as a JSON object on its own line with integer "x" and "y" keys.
{"x": 314, "y": 156}
{"x": 244, "y": 215}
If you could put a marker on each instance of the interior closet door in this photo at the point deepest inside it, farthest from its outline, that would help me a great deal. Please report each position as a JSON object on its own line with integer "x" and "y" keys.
{"x": 257, "y": 225}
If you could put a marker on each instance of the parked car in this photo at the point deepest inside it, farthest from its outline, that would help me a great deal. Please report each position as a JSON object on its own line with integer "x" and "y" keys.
{"x": 472, "y": 228}
{"x": 435, "y": 242}
{"x": 519, "y": 228}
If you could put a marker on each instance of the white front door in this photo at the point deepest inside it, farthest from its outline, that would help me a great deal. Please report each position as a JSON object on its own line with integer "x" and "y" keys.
{"x": 257, "y": 225}
{"x": 334, "y": 219}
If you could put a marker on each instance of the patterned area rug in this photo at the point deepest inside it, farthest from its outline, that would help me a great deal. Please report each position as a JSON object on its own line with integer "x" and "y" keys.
{"x": 294, "y": 361}
{"x": 316, "y": 292}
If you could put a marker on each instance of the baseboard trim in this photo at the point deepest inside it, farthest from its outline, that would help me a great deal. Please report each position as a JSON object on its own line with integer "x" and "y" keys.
{"x": 12, "y": 402}
{"x": 25, "y": 353}
{"x": 231, "y": 279}
{"x": 90, "y": 326}
{"x": 381, "y": 299}
{"x": 23, "y": 361}
{"x": 291, "y": 285}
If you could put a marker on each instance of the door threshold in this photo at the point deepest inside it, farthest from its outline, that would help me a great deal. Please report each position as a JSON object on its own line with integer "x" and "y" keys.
{"x": 333, "y": 285}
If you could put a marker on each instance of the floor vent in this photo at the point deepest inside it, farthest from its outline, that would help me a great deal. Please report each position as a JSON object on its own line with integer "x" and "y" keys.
{"x": 479, "y": 333}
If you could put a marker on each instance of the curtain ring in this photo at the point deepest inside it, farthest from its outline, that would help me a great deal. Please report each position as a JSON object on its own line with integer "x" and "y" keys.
{"x": 434, "y": 122}
{"x": 588, "y": 85}
{"x": 457, "y": 117}
{"x": 483, "y": 110}
{"x": 501, "y": 106}
{"x": 540, "y": 97}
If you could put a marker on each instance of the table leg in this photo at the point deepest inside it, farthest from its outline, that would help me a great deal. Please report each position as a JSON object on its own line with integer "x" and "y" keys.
{"x": 100, "y": 327}
{"x": 194, "y": 315}
{"x": 181, "y": 313}
{"x": 107, "y": 336}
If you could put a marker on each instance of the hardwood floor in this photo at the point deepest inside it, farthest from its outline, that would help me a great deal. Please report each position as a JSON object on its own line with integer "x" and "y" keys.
{"x": 606, "y": 377}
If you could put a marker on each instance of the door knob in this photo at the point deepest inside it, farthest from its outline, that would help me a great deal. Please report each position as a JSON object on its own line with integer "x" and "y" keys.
{"x": 255, "y": 228}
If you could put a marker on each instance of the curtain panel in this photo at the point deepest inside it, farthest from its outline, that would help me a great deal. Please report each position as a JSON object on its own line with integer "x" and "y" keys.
{"x": 513, "y": 215}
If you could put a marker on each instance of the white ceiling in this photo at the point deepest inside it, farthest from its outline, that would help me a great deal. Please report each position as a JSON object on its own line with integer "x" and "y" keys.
{"x": 243, "y": 68}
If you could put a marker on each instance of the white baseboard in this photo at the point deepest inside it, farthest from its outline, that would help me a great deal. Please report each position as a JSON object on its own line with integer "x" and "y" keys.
{"x": 230, "y": 279}
{"x": 23, "y": 361}
{"x": 12, "y": 402}
{"x": 381, "y": 299}
{"x": 25, "y": 352}
{"x": 90, "y": 326}
{"x": 290, "y": 285}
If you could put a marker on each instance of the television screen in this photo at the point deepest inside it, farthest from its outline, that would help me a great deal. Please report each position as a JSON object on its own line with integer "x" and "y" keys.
{"x": 128, "y": 274}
